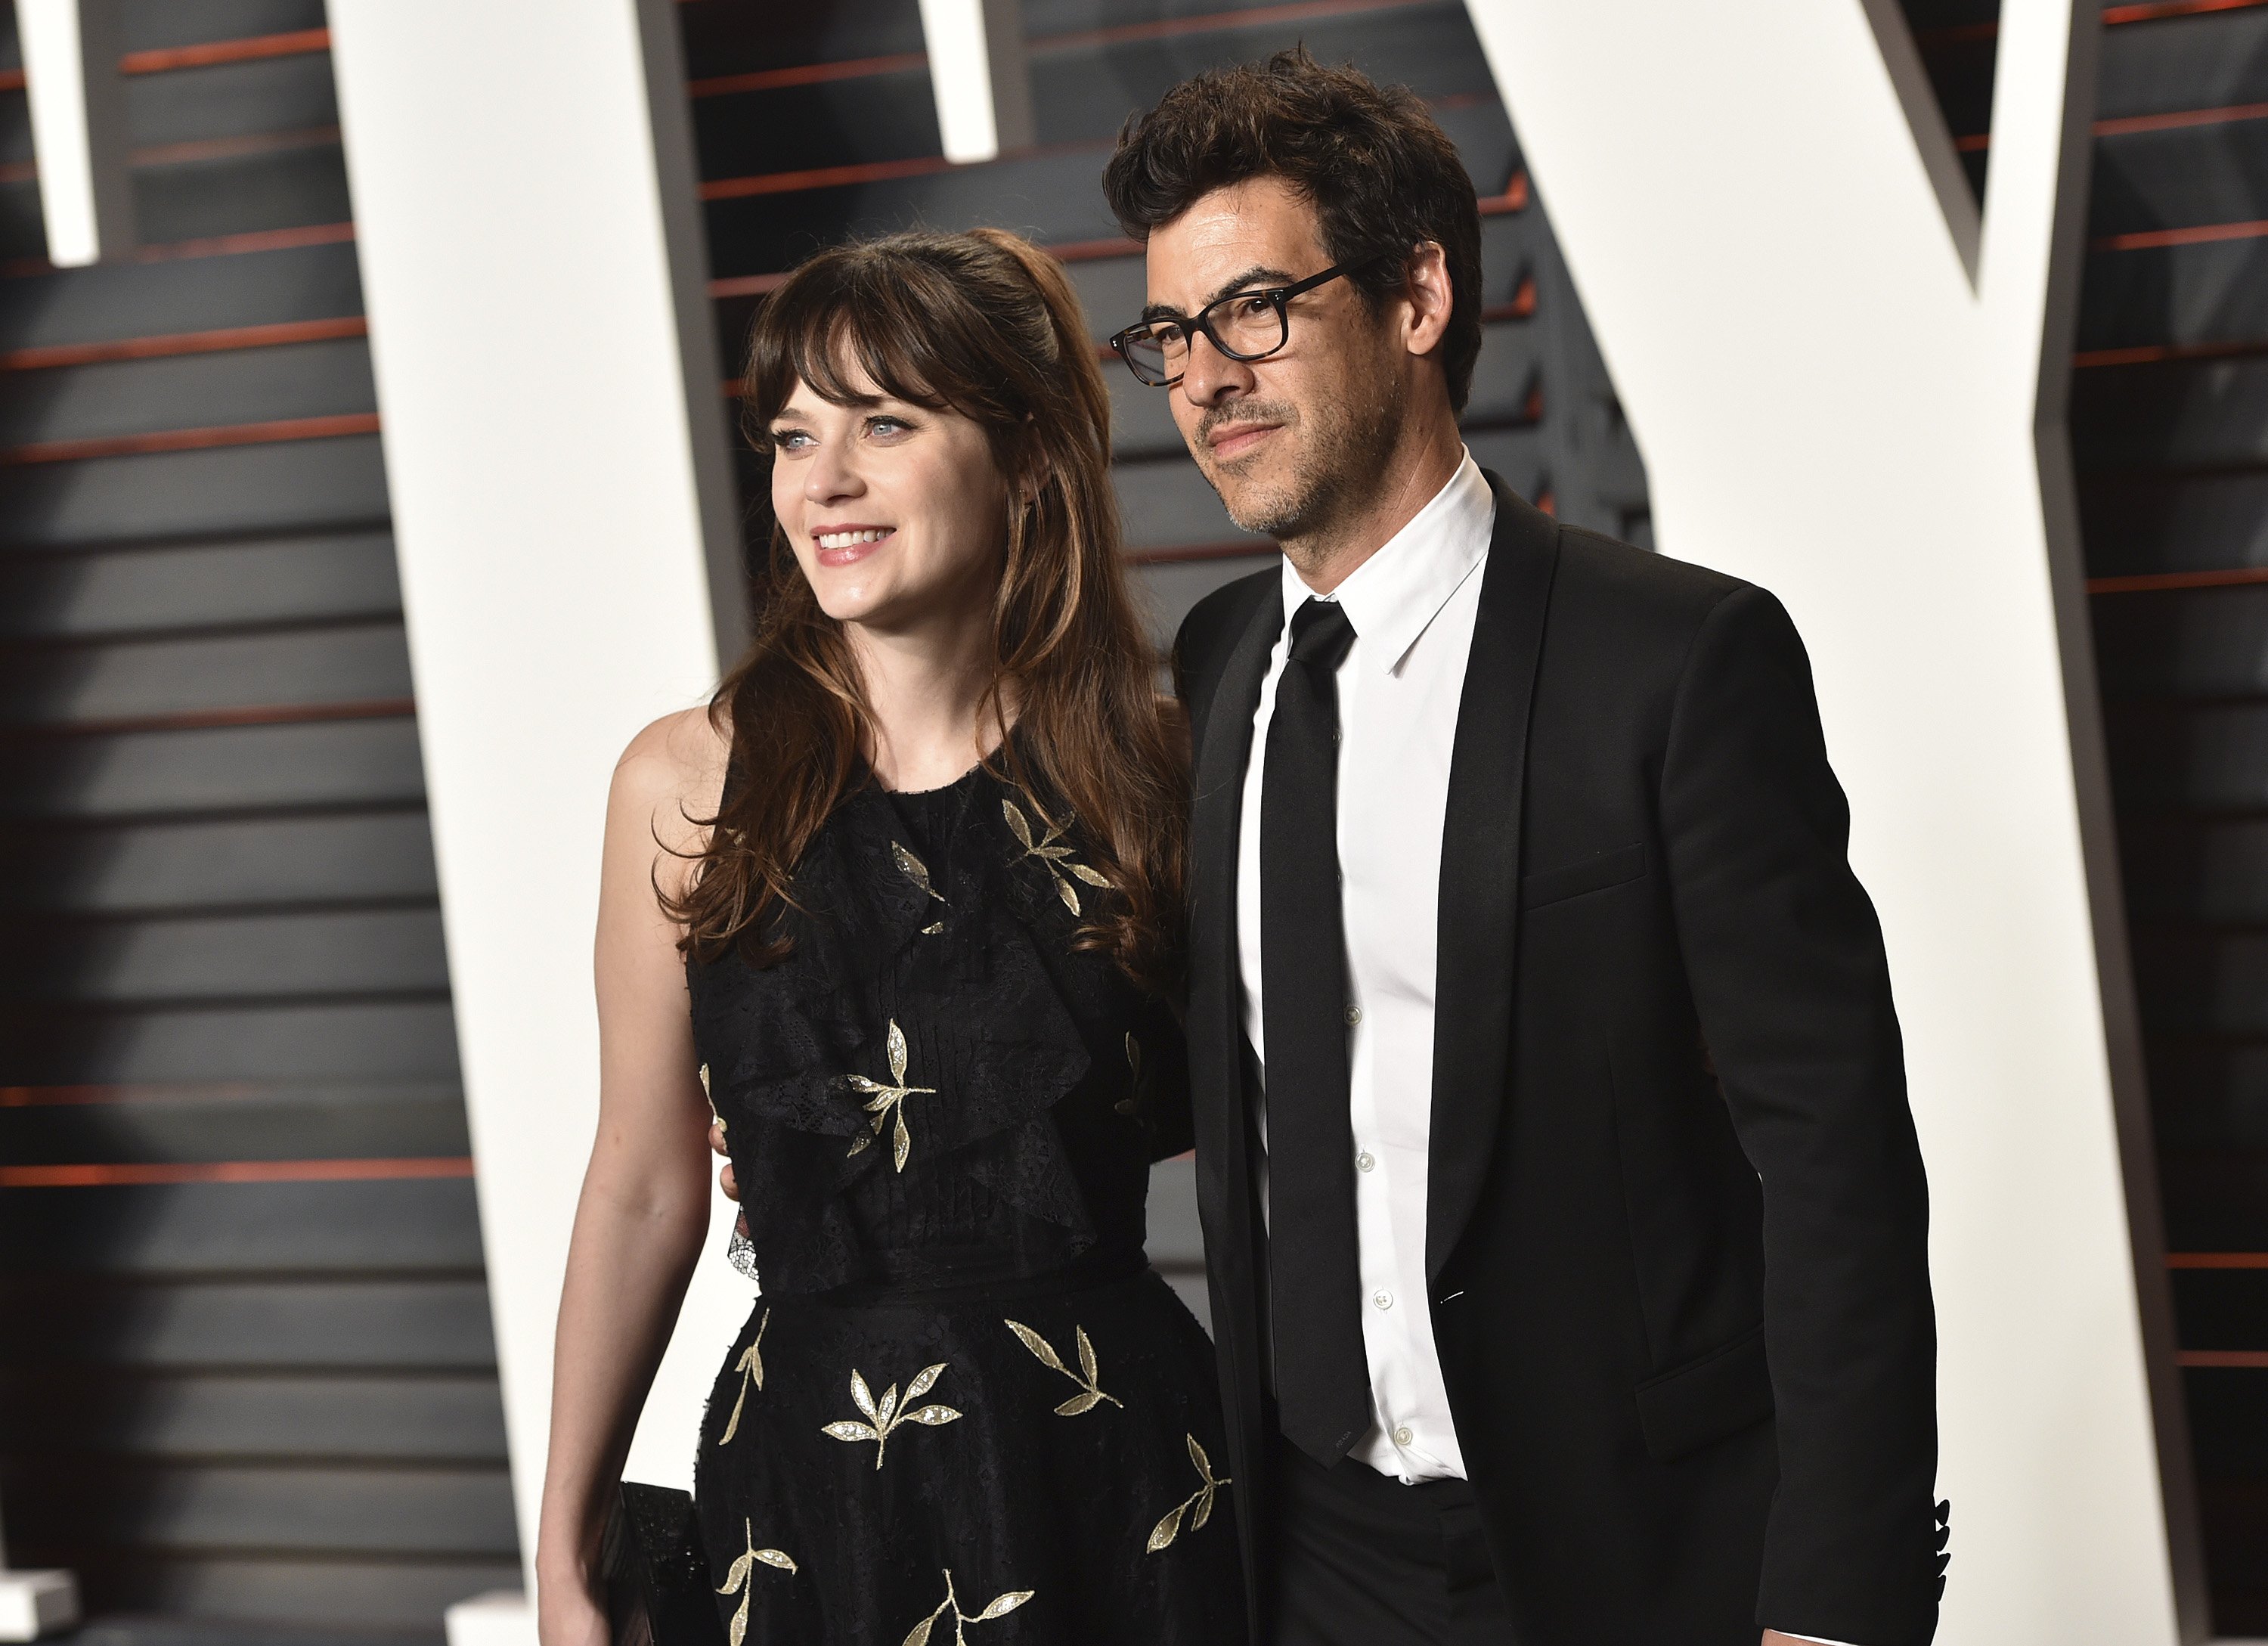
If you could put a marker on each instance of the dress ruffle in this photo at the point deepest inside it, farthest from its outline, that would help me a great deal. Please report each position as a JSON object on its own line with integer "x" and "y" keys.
{"x": 956, "y": 954}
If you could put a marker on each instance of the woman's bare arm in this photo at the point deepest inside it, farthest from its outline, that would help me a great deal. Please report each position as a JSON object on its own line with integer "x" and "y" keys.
{"x": 644, "y": 1208}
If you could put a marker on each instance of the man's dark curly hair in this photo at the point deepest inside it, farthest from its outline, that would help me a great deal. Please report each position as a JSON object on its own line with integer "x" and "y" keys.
{"x": 1382, "y": 176}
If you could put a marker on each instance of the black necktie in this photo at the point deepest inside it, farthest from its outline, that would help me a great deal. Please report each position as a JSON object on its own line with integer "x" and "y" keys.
{"x": 1322, "y": 1376}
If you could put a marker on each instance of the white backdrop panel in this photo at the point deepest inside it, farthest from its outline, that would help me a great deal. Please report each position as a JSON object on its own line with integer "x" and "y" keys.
{"x": 549, "y": 531}
{"x": 1827, "y": 405}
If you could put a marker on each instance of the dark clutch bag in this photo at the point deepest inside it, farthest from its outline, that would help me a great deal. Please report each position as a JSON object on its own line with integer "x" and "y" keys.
{"x": 657, "y": 1578}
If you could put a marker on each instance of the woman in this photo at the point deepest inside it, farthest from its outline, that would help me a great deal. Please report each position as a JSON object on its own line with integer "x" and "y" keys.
{"x": 920, "y": 865}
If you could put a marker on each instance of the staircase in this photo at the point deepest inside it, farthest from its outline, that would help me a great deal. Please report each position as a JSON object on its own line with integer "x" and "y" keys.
{"x": 2170, "y": 426}
{"x": 245, "y": 1366}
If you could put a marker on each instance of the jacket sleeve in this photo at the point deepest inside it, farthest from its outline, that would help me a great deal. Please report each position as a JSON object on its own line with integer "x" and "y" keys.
{"x": 1792, "y": 987}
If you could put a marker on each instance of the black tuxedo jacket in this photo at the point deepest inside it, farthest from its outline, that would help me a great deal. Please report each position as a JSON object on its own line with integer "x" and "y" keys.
{"x": 1677, "y": 1225}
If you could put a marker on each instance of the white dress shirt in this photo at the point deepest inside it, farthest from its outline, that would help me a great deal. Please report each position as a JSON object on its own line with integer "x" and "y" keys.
{"x": 1412, "y": 605}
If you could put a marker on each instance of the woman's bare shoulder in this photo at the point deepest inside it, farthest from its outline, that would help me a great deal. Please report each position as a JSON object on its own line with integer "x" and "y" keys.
{"x": 672, "y": 775}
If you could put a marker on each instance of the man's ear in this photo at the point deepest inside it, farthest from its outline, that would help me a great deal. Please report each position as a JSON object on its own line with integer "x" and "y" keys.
{"x": 1427, "y": 289}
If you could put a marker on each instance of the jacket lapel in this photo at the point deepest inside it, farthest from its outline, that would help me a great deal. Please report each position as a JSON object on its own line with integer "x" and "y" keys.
{"x": 1481, "y": 840}
{"x": 1223, "y": 725}
{"x": 1214, "y": 1029}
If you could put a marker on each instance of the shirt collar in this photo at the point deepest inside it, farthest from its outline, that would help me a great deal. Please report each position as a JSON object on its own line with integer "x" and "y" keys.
{"x": 1393, "y": 596}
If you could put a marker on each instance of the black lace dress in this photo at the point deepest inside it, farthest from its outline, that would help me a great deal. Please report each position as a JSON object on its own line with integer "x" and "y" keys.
{"x": 963, "y": 1397}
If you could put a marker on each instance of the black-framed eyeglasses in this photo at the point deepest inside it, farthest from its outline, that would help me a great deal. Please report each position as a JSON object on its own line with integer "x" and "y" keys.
{"x": 1244, "y": 326}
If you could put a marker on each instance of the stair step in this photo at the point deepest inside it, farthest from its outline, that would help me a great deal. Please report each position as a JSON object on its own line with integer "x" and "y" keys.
{"x": 2203, "y": 62}
{"x": 331, "y": 578}
{"x": 2180, "y": 177}
{"x": 242, "y": 194}
{"x": 734, "y": 37}
{"x": 2209, "y": 1091}
{"x": 887, "y": 116}
{"x": 168, "y": 1125}
{"x": 2200, "y": 523}
{"x": 382, "y": 1228}
{"x": 1167, "y": 590}
{"x": 2215, "y": 1199}
{"x": 194, "y": 294}
{"x": 1084, "y": 91}
{"x": 2174, "y": 415}
{"x": 22, "y": 233}
{"x": 200, "y": 390}
{"x": 230, "y": 99}
{"x": 263, "y": 1417}
{"x": 382, "y": 1041}
{"x": 2188, "y": 295}
{"x": 225, "y": 1600}
{"x": 339, "y": 1323}
{"x": 152, "y": 24}
{"x": 304, "y": 1509}
{"x": 234, "y": 862}
{"x": 2207, "y": 643}
{"x": 121, "y": 775}
{"x": 2227, "y": 1309}
{"x": 2210, "y": 757}
{"x": 287, "y": 485}
{"x": 1166, "y": 504}
{"x": 2196, "y": 870}
{"x": 112, "y": 680}
{"x": 222, "y": 957}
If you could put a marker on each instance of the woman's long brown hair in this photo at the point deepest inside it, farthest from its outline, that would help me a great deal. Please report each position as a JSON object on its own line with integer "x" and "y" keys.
{"x": 987, "y": 325}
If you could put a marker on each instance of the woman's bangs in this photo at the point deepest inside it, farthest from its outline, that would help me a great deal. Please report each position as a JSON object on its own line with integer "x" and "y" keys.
{"x": 857, "y": 343}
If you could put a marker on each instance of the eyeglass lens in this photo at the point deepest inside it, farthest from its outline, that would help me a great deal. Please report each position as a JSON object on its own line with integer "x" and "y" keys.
{"x": 1246, "y": 327}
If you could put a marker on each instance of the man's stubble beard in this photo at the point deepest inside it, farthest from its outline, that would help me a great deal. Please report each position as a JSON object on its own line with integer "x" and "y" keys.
{"x": 1340, "y": 466}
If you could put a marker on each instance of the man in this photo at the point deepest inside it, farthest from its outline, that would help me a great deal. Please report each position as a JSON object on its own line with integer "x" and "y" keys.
{"x": 1564, "y": 1215}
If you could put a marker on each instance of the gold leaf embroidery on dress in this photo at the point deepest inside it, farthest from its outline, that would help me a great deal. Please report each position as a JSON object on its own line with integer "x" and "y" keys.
{"x": 738, "y": 1581}
{"x": 886, "y": 1103}
{"x": 1090, "y": 1395}
{"x": 1000, "y": 1608}
{"x": 1129, "y": 1102}
{"x": 1167, "y": 1530}
{"x": 914, "y": 870}
{"x": 883, "y": 1415}
{"x": 1053, "y": 856}
{"x": 751, "y": 1368}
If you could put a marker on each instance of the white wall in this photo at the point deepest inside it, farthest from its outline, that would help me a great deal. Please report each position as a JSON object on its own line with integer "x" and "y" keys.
{"x": 1829, "y": 405}
{"x": 540, "y": 437}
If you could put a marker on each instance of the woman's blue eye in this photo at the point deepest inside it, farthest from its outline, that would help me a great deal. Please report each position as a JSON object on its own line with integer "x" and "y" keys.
{"x": 885, "y": 426}
{"x": 787, "y": 439}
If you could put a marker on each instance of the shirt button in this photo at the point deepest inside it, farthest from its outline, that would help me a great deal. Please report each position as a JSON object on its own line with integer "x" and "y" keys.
{"x": 1364, "y": 1161}
{"x": 1353, "y": 1015}
{"x": 1382, "y": 1298}
{"x": 1402, "y": 1436}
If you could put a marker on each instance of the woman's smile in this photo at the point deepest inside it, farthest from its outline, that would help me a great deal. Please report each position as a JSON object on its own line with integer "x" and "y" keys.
{"x": 843, "y": 545}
